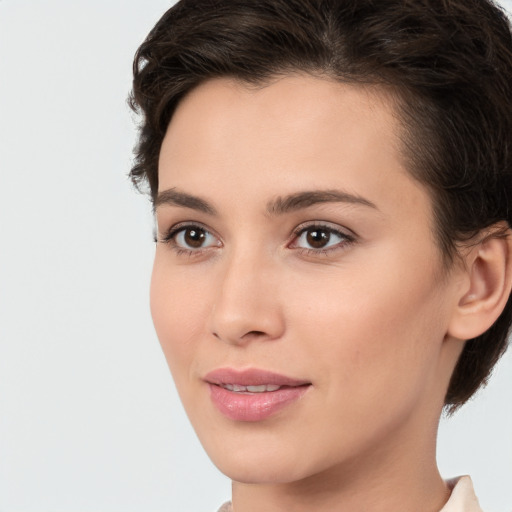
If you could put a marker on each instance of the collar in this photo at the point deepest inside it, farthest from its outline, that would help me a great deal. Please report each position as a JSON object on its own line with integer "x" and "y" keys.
{"x": 463, "y": 498}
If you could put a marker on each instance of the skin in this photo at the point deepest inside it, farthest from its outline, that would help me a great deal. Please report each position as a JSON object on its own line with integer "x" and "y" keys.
{"x": 367, "y": 320}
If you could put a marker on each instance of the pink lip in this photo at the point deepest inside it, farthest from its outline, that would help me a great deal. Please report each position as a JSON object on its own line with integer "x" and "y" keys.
{"x": 252, "y": 406}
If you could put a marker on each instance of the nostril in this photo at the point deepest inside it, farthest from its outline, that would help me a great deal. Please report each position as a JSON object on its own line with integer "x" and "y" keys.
{"x": 244, "y": 338}
{"x": 254, "y": 333}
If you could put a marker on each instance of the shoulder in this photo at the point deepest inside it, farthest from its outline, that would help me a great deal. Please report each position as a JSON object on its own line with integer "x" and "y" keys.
{"x": 226, "y": 507}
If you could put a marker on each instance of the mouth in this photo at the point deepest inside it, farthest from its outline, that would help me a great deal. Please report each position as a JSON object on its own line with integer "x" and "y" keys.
{"x": 237, "y": 388}
{"x": 253, "y": 395}
{"x": 251, "y": 380}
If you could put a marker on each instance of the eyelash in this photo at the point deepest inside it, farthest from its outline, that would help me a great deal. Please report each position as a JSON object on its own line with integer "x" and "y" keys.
{"x": 170, "y": 238}
{"x": 347, "y": 239}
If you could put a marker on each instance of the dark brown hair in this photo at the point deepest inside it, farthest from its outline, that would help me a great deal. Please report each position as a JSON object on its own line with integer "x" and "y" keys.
{"x": 449, "y": 63}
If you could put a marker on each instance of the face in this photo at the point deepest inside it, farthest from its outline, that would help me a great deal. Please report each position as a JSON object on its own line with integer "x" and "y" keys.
{"x": 296, "y": 289}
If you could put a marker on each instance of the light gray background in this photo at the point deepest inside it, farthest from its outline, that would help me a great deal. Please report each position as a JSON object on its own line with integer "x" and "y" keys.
{"x": 89, "y": 419}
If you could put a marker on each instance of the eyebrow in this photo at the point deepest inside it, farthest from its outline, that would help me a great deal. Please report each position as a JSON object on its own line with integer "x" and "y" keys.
{"x": 278, "y": 206}
{"x": 301, "y": 200}
{"x": 174, "y": 197}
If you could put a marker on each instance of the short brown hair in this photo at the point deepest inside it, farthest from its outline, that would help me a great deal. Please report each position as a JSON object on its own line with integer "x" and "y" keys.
{"x": 448, "y": 61}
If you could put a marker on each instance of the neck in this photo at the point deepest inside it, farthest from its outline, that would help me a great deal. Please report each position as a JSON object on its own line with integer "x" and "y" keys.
{"x": 403, "y": 476}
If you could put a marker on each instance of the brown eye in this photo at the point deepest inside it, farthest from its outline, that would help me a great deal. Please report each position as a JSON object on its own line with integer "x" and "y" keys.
{"x": 193, "y": 238}
{"x": 318, "y": 238}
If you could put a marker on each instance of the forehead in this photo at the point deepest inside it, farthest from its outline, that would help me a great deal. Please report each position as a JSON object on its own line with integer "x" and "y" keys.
{"x": 292, "y": 108}
{"x": 296, "y": 132}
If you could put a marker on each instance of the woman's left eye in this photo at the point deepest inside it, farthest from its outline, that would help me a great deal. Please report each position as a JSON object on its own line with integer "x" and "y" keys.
{"x": 320, "y": 238}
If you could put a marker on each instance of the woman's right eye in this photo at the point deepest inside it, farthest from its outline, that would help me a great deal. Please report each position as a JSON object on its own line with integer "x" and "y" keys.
{"x": 191, "y": 238}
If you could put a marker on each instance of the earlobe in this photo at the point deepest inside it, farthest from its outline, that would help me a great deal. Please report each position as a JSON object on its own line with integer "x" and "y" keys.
{"x": 487, "y": 286}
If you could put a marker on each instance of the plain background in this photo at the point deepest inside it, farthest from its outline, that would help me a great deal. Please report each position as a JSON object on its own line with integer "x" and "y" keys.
{"x": 89, "y": 419}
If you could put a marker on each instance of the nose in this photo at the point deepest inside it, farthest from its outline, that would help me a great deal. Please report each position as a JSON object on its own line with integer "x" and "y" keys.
{"x": 247, "y": 305}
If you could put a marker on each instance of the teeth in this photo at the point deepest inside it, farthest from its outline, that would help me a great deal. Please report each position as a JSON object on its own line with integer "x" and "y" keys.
{"x": 261, "y": 389}
{"x": 250, "y": 389}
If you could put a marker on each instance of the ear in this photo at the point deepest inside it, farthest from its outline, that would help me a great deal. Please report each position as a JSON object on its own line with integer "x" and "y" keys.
{"x": 486, "y": 285}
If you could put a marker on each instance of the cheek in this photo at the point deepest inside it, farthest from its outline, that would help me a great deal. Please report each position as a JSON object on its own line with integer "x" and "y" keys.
{"x": 374, "y": 334}
{"x": 372, "y": 352}
{"x": 177, "y": 314}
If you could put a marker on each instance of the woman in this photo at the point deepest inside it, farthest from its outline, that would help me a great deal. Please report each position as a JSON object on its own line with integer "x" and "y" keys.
{"x": 331, "y": 184}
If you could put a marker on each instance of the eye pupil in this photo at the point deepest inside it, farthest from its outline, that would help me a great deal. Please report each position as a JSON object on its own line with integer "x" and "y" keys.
{"x": 194, "y": 237}
{"x": 318, "y": 238}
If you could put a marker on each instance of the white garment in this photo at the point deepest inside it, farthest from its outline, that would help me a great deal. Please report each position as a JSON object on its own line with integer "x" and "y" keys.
{"x": 462, "y": 499}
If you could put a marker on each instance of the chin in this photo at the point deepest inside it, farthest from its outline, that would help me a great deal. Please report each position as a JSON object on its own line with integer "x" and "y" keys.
{"x": 261, "y": 472}
{"x": 250, "y": 464}
{"x": 261, "y": 459}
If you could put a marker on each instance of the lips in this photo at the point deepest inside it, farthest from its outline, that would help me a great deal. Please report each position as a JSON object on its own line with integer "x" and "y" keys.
{"x": 253, "y": 395}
